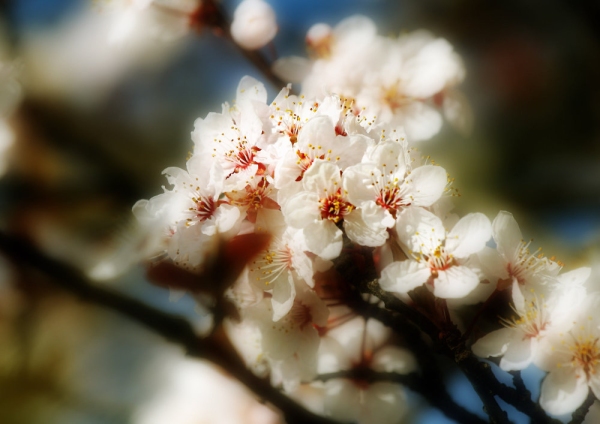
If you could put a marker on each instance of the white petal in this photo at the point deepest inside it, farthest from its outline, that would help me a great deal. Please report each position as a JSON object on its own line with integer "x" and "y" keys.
{"x": 355, "y": 29}
{"x": 576, "y": 277}
{"x": 493, "y": 264}
{"x": 401, "y": 277}
{"x": 594, "y": 381}
{"x": 455, "y": 282}
{"x": 506, "y": 234}
{"x": 292, "y": 68}
{"x": 365, "y": 233}
{"x": 387, "y": 155}
{"x": 518, "y": 298}
{"x": 301, "y": 210}
{"x": 469, "y": 235}
{"x": 419, "y": 229}
{"x": 226, "y": 217}
{"x": 284, "y": 294}
{"x": 427, "y": 184}
{"x": 430, "y": 70}
{"x": 250, "y": 89}
{"x": 324, "y": 239}
{"x": 358, "y": 183}
{"x": 519, "y": 354}
{"x": 493, "y": 344}
{"x": 421, "y": 122}
{"x": 322, "y": 178}
{"x": 563, "y": 391}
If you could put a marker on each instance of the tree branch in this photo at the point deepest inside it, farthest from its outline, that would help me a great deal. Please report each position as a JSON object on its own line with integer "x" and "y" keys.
{"x": 215, "y": 348}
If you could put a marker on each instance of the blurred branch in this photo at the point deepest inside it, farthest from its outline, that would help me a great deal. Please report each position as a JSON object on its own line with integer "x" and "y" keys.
{"x": 215, "y": 348}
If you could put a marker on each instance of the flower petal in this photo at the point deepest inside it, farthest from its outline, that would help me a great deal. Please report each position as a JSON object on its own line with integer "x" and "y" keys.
{"x": 469, "y": 235}
{"x": 419, "y": 229}
{"x": 302, "y": 209}
{"x": 363, "y": 232}
{"x": 493, "y": 344}
{"x": 519, "y": 354}
{"x": 324, "y": 239}
{"x": 284, "y": 294}
{"x": 421, "y": 121}
{"x": 427, "y": 183}
{"x": 563, "y": 391}
{"x": 455, "y": 282}
{"x": 401, "y": 277}
{"x": 507, "y": 234}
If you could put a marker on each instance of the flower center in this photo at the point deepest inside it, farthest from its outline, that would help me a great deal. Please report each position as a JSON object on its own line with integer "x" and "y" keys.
{"x": 532, "y": 322}
{"x": 306, "y": 159}
{"x": 243, "y": 158}
{"x": 390, "y": 198}
{"x": 439, "y": 260}
{"x": 334, "y": 207}
{"x": 205, "y": 208}
{"x": 586, "y": 354}
{"x": 272, "y": 264}
{"x": 394, "y": 98}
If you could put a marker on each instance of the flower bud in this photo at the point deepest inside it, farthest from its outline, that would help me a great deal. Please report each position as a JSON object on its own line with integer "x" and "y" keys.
{"x": 253, "y": 24}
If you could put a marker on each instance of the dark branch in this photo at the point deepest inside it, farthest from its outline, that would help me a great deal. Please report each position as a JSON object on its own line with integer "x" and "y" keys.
{"x": 214, "y": 348}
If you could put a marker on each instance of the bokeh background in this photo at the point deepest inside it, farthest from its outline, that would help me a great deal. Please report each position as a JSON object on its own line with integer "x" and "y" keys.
{"x": 98, "y": 123}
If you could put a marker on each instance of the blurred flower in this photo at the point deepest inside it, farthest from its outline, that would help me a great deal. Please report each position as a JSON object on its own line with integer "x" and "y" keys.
{"x": 76, "y": 62}
{"x": 574, "y": 363}
{"x": 195, "y": 392}
{"x": 253, "y": 24}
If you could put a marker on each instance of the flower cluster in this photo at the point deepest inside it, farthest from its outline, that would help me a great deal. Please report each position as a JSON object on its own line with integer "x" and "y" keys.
{"x": 329, "y": 175}
{"x": 312, "y": 173}
{"x": 403, "y": 81}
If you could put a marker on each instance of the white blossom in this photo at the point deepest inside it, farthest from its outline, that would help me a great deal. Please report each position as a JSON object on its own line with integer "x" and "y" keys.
{"x": 574, "y": 363}
{"x": 385, "y": 183}
{"x": 438, "y": 257}
{"x": 512, "y": 259}
{"x": 254, "y": 24}
{"x": 539, "y": 315}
